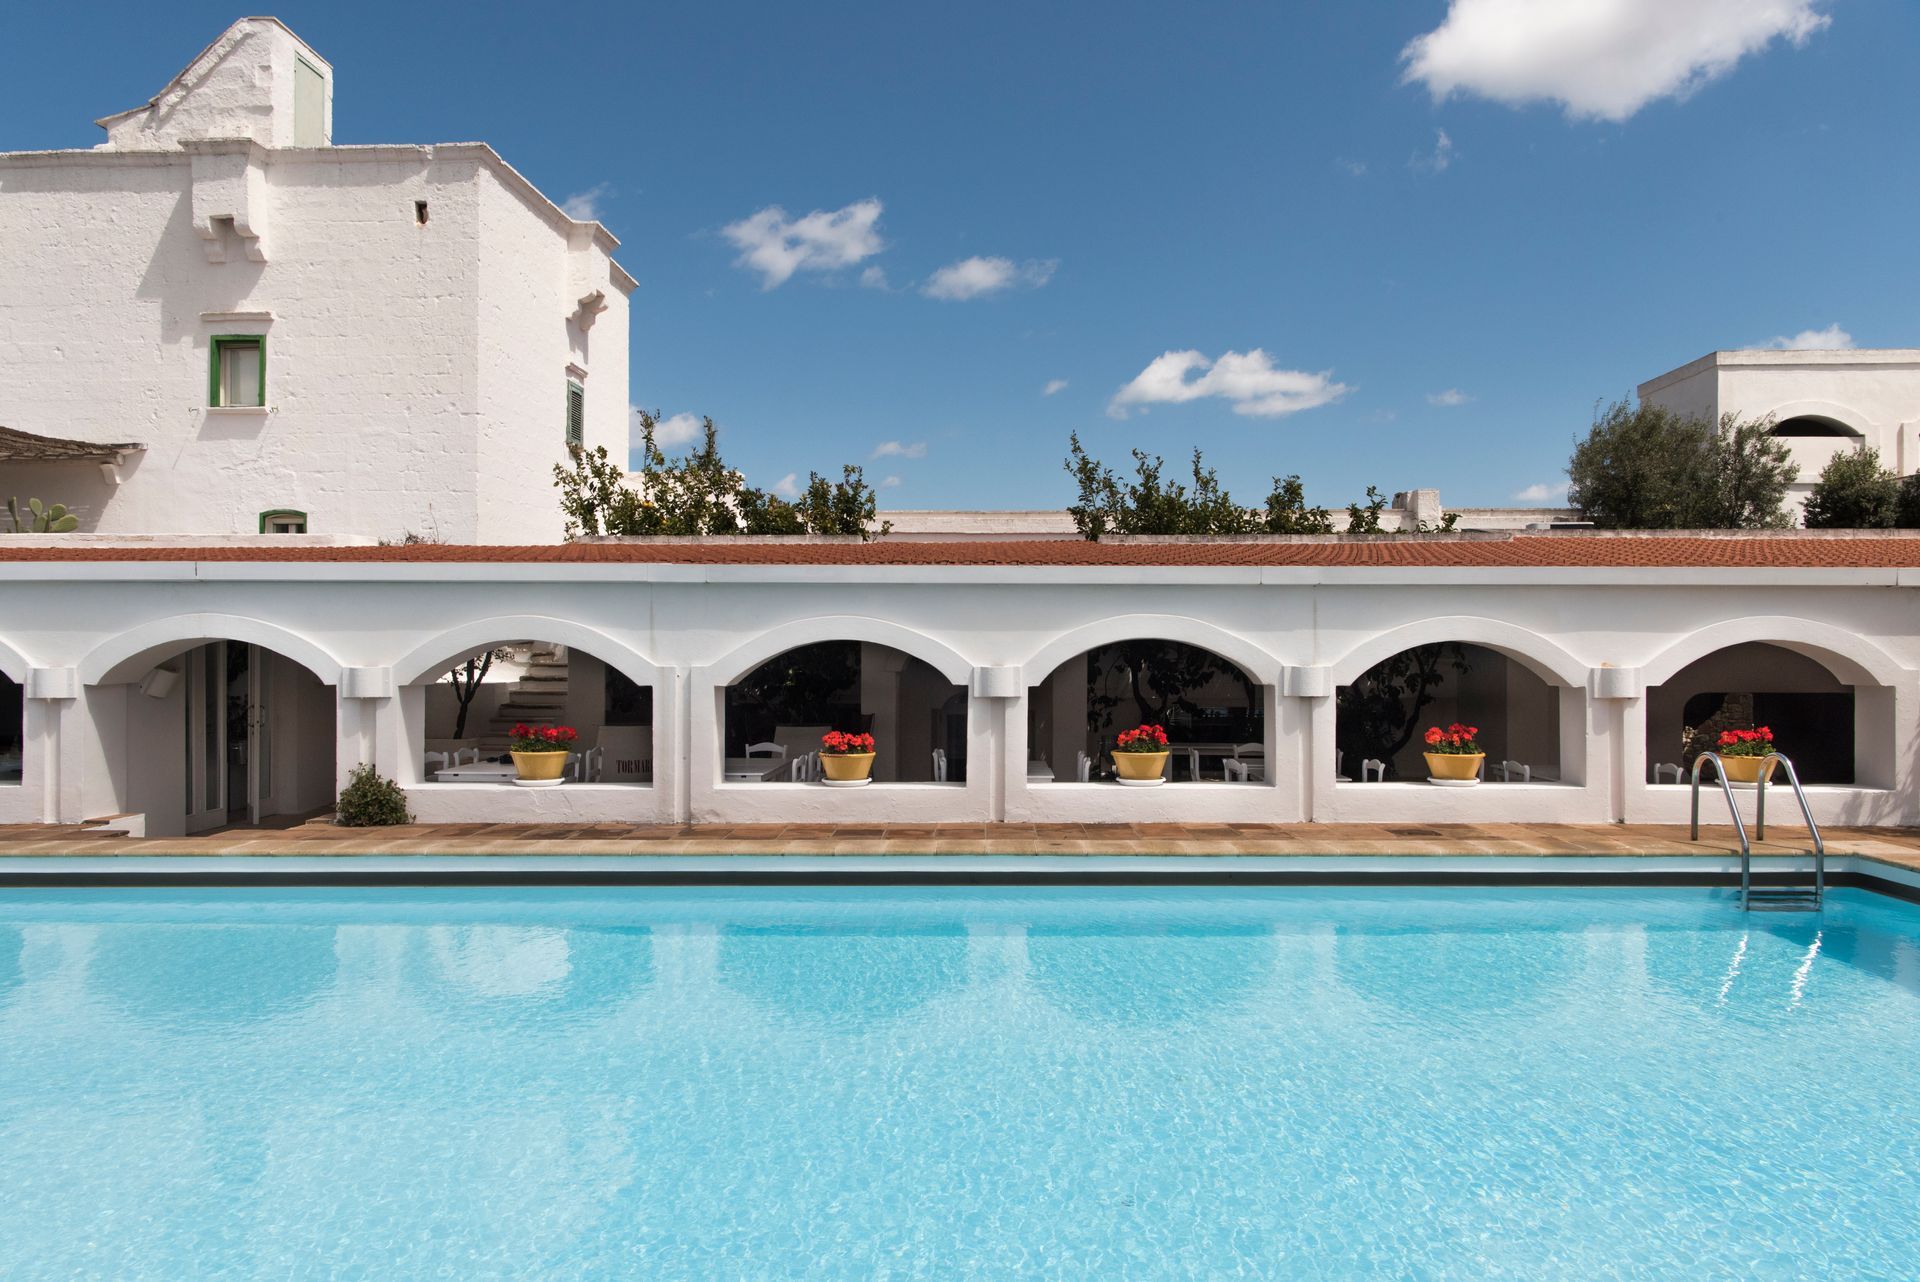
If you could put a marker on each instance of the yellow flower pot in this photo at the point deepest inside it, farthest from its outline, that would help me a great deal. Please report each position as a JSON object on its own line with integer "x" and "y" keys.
{"x": 845, "y": 767}
{"x": 1741, "y": 769}
{"x": 1454, "y": 765}
{"x": 540, "y": 765}
{"x": 1140, "y": 765}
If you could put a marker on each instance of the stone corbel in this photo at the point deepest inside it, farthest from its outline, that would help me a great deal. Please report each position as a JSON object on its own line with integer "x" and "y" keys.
{"x": 589, "y": 310}
{"x": 230, "y": 196}
{"x": 1607, "y": 682}
{"x": 1306, "y": 682}
{"x": 53, "y": 683}
{"x": 366, "y": 683}
{"x": 995, "y": 683}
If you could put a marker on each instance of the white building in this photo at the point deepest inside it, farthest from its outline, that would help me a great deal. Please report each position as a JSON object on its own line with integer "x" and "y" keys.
{"x": 218, "y": 322}
{"x": 194, "y": 687}
{"x": 1821, "y": 402}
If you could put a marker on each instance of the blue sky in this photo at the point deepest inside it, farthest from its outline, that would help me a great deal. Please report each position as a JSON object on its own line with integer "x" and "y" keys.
{"x": 1405, "y": 243}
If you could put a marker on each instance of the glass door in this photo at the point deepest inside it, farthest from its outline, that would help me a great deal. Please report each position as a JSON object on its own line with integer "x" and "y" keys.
{"x": 205, "y": 736}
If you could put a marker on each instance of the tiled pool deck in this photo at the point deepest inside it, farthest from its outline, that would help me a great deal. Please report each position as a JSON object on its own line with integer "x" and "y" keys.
{"x": 1900, "y": 847}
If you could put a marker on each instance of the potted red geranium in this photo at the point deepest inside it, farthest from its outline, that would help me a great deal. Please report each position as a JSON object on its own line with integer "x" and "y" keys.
{"x": 846, "y": 758}
{"x": 1454, "y": 755}
{"x": 1742, "y": 751}
{"x": 540, "y": 752}
{"x": 1140, "y": 755}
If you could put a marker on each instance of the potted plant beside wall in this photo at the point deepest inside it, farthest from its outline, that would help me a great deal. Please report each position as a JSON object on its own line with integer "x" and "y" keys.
{"x": 1140, "y": 757}
{"x": 1453, "y": 756}
{"x": 540, "y": 753}
{"x": 1742, "y": 751}
{"x": 846, "y": 759}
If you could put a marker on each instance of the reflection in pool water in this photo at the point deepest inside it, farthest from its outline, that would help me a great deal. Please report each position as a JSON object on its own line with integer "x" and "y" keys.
{"x": 1116, "y": 976}
{"x": 539, "y": 972}
{"x": 1142, "y": 1084}
{"x": 844, "y": 979}
{"x": 201, "y": 977}
{"x": 1460, "y": 971}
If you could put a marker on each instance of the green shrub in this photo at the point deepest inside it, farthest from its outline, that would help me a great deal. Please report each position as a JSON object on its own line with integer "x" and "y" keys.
{"x": 370, "y": 801}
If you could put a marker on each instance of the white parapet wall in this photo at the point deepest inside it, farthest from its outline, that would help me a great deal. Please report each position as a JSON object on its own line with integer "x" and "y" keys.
{"x": 107, "y": 653}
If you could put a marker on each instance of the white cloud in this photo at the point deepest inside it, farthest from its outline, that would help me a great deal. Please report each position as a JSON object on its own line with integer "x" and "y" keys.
{"x": 1352, "y": 168}
{"x": 874, "y": 277}
{"x": 681, "y": 429}
{"x": 976, "y": 277}
{"x": 585, "y": 205}
{"x": 889, "y": 483}
{"x": 1247, "y": 379}
{"x": 1054, "y": 385}
{"x": 777, "y": 246}
{"x": 1452, "y": 398}
{"x": 900, "y": 449}
{"x": 1553, "y": 494}
{"x": 1830, "y": 339}
{"x": 788, "y": 486}
{"x": 1435, "y": 161}
{"x": 1599, "y": 59}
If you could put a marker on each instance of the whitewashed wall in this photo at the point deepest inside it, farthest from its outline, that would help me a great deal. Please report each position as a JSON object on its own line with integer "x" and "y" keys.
{"x": 1597, "y": 637}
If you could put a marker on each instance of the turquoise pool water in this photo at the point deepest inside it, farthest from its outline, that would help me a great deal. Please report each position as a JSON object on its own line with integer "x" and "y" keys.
{"x": 895, "y": 1084}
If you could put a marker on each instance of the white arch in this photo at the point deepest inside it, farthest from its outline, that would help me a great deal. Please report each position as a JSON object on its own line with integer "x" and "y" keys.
{"x": 133, "y": 652}
{"x": 1538, "y": 655}
{"x": 13, "y": 664}
{"x": 1257, "y": 663}
{"x": 1850, "y": 658}
{"x": 743, "y": 659}
{"x": 1846, "y": 416}
{"x": 431, "y": 657}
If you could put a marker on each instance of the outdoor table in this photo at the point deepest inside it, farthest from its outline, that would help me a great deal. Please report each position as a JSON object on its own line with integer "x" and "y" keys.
{"x": 754, "y": 769}
{"x": 478, "y": 772}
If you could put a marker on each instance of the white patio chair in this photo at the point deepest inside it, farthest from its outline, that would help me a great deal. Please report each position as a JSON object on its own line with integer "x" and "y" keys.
{"x": 1193, "y": 764}
{"x": 1668, "y": 767}
{"x": 1238, "y": 771}
{"x": 1374, "y": 766}
{"x": 939, "y": 765}
{"x": 441, "y": 761}
{"x": 1082, "y": 767}
{"x": 592, "y": 762}
{"x": 1339, "y": 759}
{"x": 1510, "y": 768}
{"x": 767, "y": 748}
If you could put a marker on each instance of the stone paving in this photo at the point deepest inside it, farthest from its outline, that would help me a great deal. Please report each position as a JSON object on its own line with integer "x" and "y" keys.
{"x": 321, "y": 837}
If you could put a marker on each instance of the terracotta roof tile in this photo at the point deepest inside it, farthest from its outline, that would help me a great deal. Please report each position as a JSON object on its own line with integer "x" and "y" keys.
{"x": 1672, "y": 551}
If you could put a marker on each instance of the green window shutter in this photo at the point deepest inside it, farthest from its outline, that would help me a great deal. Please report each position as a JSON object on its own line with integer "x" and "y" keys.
{"x": 576, "y": 414}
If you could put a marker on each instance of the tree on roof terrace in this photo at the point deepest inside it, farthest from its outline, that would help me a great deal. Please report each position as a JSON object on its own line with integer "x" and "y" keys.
{"x": 1855, "y": 492}
{"x": 1647, "y": 468}
{"x": 698, "y": 494}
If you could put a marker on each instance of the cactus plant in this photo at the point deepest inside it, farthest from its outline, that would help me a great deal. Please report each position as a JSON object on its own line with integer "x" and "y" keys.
{"x": 42, "y": 519}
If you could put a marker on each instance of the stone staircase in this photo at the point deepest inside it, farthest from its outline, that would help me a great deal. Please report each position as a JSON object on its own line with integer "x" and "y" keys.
{"x": 540, "y": 695}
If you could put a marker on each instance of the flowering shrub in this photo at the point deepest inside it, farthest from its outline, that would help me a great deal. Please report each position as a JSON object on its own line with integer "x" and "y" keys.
{"x": 837, "y": 743}
{"x": 1455, "y": 741}
{"x": 1141, "y": 739}
{"x": 526, "y": 738}
{"x": 1745, "y": 743}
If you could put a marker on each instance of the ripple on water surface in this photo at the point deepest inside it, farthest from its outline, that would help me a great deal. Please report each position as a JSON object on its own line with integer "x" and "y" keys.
{"x": 956, "y": 1084}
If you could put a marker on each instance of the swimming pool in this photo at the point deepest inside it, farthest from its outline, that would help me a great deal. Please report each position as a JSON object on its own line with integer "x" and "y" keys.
{"x": 876, "y": 1083}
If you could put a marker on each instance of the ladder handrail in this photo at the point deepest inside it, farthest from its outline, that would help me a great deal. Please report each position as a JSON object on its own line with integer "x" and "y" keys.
{"x": 1806, "y": 812}
{"x": 1733, "y": 808}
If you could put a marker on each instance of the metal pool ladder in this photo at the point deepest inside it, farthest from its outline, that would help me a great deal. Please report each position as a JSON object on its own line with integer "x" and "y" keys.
{"x": 1803, "y": 896}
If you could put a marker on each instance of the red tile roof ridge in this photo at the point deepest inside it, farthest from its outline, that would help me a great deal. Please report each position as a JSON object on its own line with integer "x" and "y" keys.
{"x": 1668, "y": 549}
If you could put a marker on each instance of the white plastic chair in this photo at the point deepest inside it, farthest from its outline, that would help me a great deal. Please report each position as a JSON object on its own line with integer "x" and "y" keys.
{"x": 1374, "y": 766}
{"x": 592, "y": 762}
{"x": 1083, "y": 767}
{"x": 441, "y": 761}
{"x": 1237, "y": 771}
{"x": 1666, "y": 767}
{"x": 939, "y": 765}
{"x": 767, "y": 748}
{"x": 1510, "y": 768}
{"x": 1339, "y": 759}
